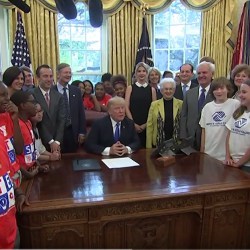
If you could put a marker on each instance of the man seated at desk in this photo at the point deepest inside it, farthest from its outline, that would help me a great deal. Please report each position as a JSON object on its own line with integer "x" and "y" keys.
{"x": 113, "y": 134}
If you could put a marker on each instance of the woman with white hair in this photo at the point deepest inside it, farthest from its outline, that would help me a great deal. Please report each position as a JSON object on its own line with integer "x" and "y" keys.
{"x": 138, "y": 99}
{"x": 164, "y": 115}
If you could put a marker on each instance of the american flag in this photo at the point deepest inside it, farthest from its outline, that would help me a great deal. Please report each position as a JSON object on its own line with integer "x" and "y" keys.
{"x": 20, "y": 54}
{"x": 144, "y": 50}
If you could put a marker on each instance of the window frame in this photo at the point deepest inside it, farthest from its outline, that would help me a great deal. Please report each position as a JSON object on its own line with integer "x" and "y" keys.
{"x": 103, "y": 51}
{"x": 169, "y": 49}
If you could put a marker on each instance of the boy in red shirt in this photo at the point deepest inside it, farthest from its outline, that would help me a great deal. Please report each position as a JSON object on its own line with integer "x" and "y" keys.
{"x": 9, "y": 128}
{"x": 8, "y": 227}
{"x": 26, "y": 109}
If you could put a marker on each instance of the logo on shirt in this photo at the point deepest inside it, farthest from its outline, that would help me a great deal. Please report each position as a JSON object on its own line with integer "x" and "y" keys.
{"x": 240, "y": 123}
{"x": 29, "y": 153}
{"x": 10, "y": 149}
{"x": 7, "y": 199}
{"x": 218, "y": 116}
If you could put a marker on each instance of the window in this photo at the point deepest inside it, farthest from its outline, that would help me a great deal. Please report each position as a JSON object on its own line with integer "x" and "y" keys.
{"x": 176, "y": 37}
{"x": 81, "y": 45}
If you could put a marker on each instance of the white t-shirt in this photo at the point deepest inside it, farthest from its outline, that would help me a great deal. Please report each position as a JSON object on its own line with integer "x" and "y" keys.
{"x": 214, "y": 117}
{"x": 40, "y": 149}
{"x": 239, "y": 141}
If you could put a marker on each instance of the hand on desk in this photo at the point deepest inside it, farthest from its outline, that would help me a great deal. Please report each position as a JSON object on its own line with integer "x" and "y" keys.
{"x": 21, "y": 199}
{"x": 55, "y": 147}
{"x": 230, "y": 162}
{"x": 118, "y": 149}
{"x": 55, "y": 156}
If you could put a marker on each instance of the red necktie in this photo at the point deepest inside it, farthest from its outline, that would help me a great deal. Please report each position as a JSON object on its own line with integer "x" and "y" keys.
{"x": 47, "y": 98}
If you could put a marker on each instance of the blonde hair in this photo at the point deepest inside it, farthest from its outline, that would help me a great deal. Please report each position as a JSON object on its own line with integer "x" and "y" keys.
{"x": 155, "y": 70}
{"x": 115, "y": 100}
{"x": 141, "y": 64}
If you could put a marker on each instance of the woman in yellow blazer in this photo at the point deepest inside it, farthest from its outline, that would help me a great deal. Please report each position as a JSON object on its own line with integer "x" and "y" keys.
{"x": 164, "y": 115}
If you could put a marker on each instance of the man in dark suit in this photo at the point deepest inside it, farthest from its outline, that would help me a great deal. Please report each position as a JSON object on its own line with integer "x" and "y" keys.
{"x": 186, "y": 74}
{"x": 114, "y": 134}
{"x": 52, "y": 125}
{"x": 75, "y": 124}
{"x": 194, "y": 101}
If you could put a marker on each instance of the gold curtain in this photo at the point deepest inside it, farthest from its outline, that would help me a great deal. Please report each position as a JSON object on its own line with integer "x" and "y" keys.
{"x": 41, "y": 32}
{"x": 113, "y": 6}
{"x": 216, "y": 33}
{"x": 124, "y": 31}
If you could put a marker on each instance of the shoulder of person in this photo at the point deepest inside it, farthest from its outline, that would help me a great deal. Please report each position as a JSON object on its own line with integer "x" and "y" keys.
{"x": 127, "y": 120}
{"x": 101, "y": 120}
{"x": 234, "y": 101}
{"x": 157, "y": 102}
{"x": 178, "y": 101}
{"x": 75, "y": 90}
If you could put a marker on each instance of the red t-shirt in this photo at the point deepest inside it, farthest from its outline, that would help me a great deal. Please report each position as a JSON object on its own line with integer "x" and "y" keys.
{"x": 7, "y": 130}
{"x": 8, "y": 227}
{"x": 88, "y": 103}
{"x": 105, "y": 100}
{"x": 28, "y": 158}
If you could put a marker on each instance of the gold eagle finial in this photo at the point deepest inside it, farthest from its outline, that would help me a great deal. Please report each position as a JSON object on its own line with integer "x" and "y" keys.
{"x": 144, "y": 7}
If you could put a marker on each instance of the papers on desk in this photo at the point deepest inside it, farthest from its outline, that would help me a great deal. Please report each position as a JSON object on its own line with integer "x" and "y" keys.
{"x": 124, "y": 162}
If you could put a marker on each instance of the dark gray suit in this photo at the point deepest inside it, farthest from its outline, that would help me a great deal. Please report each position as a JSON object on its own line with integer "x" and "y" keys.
{"x": 77, "y": 115}
{"x": 190, "y": 116}
{"x": 101, "y": 135}
{"x": 178, "y": 91}
{"x": 52, "y": 125}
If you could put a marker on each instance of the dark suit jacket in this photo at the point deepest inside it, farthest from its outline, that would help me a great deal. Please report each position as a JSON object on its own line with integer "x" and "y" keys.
{"x": 190, "y": 116}
{"x": 178, "y": 91}
{"x": 195, "y": 81}
{"x": 101, "y": 135}
{"x": 77, "y": 112}
{"x": 52, "y": 124}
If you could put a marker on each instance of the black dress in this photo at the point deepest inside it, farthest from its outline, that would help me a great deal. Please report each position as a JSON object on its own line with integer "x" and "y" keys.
{"x": 140, "y": 101}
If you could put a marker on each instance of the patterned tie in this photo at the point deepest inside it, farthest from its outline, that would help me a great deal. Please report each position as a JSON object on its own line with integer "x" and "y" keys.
{"x": 184, "y": 89}
{"x": 117, "y": 132}
{"x": 201, "y": 99}
{"x": 47, "y": 98}
{"x": 66, "y": 106}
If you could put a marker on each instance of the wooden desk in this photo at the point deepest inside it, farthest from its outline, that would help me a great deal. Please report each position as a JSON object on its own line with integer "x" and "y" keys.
{"x": 195, "y": 203}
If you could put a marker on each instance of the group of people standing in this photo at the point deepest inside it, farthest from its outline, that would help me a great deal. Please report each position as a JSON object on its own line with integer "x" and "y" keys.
{"x": 38, "y": 123}
{"x": 206, "y": 111}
